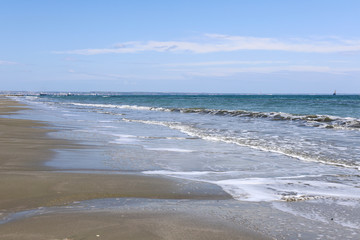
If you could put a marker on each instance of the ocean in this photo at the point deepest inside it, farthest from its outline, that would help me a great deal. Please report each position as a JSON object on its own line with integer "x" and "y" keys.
{"x": 277, "y": 149}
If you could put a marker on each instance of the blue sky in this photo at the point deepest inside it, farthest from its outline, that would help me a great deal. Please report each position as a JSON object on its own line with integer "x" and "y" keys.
{"x": 243, "y": 46}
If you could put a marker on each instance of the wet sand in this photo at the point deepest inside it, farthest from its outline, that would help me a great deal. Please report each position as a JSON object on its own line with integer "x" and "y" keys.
{"x": 137, "y": 225}
{"x": 26, "y": 183}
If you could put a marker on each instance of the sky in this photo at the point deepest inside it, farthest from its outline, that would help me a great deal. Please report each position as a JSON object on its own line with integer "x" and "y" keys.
{"x": 212, "y": 46}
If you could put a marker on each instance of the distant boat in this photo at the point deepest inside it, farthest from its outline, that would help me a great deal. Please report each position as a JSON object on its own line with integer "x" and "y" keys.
{"x": 334, "y": 93}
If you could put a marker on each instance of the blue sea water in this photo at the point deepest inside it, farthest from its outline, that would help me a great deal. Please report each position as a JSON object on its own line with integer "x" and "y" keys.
{"x": 258, "y": 148}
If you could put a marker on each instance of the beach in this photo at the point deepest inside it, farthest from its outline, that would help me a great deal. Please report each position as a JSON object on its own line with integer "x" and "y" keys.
{"x": 36, "y": 198}
{"x": 180, "y": 120}
{"x": 87, "y": 166}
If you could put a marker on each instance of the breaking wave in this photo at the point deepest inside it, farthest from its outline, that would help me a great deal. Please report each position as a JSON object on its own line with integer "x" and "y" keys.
{"x": 323, "y": 121}
{"x": 259, "y": 144}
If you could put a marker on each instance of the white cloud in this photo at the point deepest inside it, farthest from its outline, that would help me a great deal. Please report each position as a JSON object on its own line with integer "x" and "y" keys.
{"x": 7, "y": 63}
{"x": 115, "y": 76}
{"x": 211, "y": 43}
{"x": 224, "y": 72}
{"x": 184, "y": 73}
{"x": 219, "y": 63}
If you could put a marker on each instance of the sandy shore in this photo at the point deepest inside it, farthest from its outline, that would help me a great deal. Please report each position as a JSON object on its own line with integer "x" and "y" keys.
{"x": 25, "y": 183}
{"x": 102, "y": 225}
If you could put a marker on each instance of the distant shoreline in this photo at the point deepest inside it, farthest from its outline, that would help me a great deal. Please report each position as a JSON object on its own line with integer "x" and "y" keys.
{"x": 106, "y": 93}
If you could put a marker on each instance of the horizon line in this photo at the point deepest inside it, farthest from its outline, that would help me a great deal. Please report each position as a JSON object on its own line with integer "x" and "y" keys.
{"x": 19, "y": 92}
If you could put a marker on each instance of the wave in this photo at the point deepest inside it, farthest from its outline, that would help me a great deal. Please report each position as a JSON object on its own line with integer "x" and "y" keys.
{"x": 323, "y": 121}
{"x": 132, "y": 107}
{"x": 258, "y": 144}
{"x": 288, "y": 189}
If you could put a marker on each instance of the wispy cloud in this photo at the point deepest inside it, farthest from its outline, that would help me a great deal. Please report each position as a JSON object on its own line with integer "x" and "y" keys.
{"x": 211, "y": 43}
{"x": 116, "y": 76}
{"x": 7, "y": 63}
{"x": 220, "y": 63}
{"x": 225, "y": 72}
{"x": 219, "y": 72}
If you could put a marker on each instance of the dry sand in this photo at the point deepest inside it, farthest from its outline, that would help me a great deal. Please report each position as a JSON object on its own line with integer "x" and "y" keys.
{"x": 25, "y": 183}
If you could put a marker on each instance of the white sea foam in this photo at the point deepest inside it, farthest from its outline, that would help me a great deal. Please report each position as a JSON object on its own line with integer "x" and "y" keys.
{"x": 247, "y": 189}
{"x": 124, "y": 139}
{"x": 31, "y": 98}
{"x": 133, "y": 107}
{"x": 272, "y": 189}
{"x": 206, "y": 135}
{"x": 269, "y": 189}
{"x": 177, "y": 174}
{"x": 322, "y": 121}
{"x": 171, "y": 138}
{"x": 170, "y": 150}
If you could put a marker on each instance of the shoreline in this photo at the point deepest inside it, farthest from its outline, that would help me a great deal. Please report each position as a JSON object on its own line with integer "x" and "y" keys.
{"x": 26, "y": 183}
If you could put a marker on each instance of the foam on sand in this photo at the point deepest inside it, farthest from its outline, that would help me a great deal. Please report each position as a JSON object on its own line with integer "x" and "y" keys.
{"x": 297, "y": 188}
